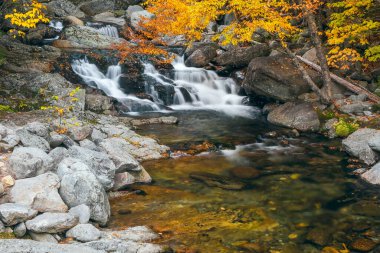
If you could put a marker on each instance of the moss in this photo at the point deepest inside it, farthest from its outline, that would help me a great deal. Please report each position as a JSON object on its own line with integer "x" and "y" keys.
{"x": 119, "y": 13}
{"x": 326, "y": 115}
{"x": 7, "y": 236}
{"x": 345, "y": 127}
{"x": 5, "y": 108}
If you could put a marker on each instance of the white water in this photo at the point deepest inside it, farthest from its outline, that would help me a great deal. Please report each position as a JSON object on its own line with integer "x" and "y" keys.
{"x": 194, "y": 88}
{"x": 109, "y": 30}
{"x": 57, "y": 25}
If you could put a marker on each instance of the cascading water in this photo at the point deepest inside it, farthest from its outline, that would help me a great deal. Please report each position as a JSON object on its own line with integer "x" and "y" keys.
{"x": 109, "y": 83}
{"x": 109, "y": 30}
{"x": 192, "y": 88}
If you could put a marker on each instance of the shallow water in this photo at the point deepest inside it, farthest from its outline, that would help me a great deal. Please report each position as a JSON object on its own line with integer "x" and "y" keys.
{"x": 290, "y": 187}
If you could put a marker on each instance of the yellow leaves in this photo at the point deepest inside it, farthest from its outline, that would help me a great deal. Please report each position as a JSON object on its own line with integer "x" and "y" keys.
{"x": 27, "y": 17}
{"x": 334, "y": 250}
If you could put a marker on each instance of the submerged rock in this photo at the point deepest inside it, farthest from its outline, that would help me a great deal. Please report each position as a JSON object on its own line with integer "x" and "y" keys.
{"x": 363, "y": 245}
{"x": 301, "y": 116}
{"x": 137, "y": 234}
{"x": 214, "y": 180}
{"x": 357, "y": 144}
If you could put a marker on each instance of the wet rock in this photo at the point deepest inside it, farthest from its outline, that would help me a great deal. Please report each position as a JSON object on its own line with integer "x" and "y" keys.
{"x": 84, "y": 233}
{"x": 373, "y": 175}
{"x": 276, "y": 77}
{"x": 99, "y": 163}
{"x": 357, "y": 144}
{"x": 300, "y": 116}
{"x": 137, "y": 234}
{"x": 94, "y": 7}
{"x": 62, "y": 8}
{"x": 30, "y": 140}
{"x": 367, "y": 208}
{"x": 39, "y": 193}
{"x": 43, "y": 237}
{"x": 80, "y": 133}
{"x": 80, "y": 186}
{"x": 214, "y": 180}
{"x": 29, "y": 162}
{"x": 12, "y": 214}
{"x": 363, "y": 245}
{"x": 19, "y": 230}
{"x": 30, "y": 246}
{"x": 319, "y": 236}
{"x": 109, "y": 18}
{"x": 161, "y": 120}
{"x": 83, "y": 213}
{"x": 245, "y": 172}
{"x": 201, "y": 57}
{"x": 52, "y": 223}
{"x": 239, "y": 57}
{"x": 117, "y": 149}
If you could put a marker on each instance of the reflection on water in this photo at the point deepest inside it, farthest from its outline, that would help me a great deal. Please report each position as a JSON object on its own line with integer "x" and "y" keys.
{"x": 295, "y": 196}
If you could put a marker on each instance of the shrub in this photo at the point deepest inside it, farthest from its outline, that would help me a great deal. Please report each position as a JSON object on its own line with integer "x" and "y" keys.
{"x": 345, "y": 127}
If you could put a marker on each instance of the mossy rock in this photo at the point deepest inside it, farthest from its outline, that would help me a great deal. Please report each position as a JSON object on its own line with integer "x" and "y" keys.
{"x": 7, "y": 235}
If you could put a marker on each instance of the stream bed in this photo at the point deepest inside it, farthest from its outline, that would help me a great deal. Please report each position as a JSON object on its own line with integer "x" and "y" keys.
{"x": 254, "y": 192}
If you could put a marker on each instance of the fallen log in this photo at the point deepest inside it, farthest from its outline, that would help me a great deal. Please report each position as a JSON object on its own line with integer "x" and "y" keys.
{"x": 350, "y": 86}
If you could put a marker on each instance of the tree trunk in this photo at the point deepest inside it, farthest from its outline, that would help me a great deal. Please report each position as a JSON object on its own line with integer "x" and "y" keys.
{"x": 316, "y": 39}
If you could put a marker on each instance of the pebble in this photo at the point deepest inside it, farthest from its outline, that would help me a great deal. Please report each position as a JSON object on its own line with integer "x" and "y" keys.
{"x": 7, "y": 181}
{"x": 363, "y": 245}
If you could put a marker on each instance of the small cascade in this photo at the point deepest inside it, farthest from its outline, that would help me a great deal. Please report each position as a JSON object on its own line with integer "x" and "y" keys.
{"x": 109, "y": 30}
{"x": 109, "y": 83}
{"x": 191, "y": 89}
{"x": 57, "y": 25}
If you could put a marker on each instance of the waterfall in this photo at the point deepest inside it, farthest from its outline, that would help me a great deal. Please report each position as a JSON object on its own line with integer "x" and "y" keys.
{"x": 109, "y": 84}
{"x": 109, "y": 30}
{"x": 57, "y": 25}
{"x": 190, "y": 89}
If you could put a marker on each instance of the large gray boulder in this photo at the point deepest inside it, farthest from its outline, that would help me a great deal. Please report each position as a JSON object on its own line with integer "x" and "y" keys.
{"x": 117, "y": 149}
{"x": 276, "y": 77}
{"x": 12, "y": 214}
{"x": 139, "y": 16}
{"x": 88, "y": 37}
{"x": 131, "y": 9}
{"x": 31, "y": 140}
{"x": 374, "y": 142}
{"x": 38, "y": 128}
{"x": 84, "y": 233}
{"x": 52, "y": 223}
{"x": 39, "y": 193}
{"x": 62, "y": 8}
{"x": 373, "y": 175}
{"x": 99, "y": 163}
{"x": 300, "y": 116}
{"x": 30, "y": 162}
{"x": 109, "y": 18}
{"x": 83, "y": 212}
{"x": 239, "y": 57}
{"x": 30, "y": 246}
{"x": 357, "y": 144}
{"x": 80, "y": 186}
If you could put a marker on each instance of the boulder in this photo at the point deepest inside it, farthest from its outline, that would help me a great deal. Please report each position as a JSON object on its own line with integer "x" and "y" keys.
{"x": 88, "y": 37}
{"x": 277, "y": 78}
{"x": 98, "y": 103}
{"x": 202, "y": 56}
{"x": 80, "y": 186}
{"x": 139, "y": 16}
{"x": 86, "y": 143}
{"x": 84, "y": 233}
{"x": 301, "y": 116}
{"x": 239, "y": 57}
{"x": 30, "y": 162}
{"x": 311, "y": 55}
{"x": 83, "y": 213}
{"x": 63, "y": 8}
{"x": 109, "y": 18}
{"x": 373, "y": 175}
{"x": 43, "y": 237}
{"x": 31, "y": 140}
{"x": 79, "y": 133}
{"x": 99, "y": 163}
{"x": 58, "y": 154}
{"x": 19, "y": 230}
{"x": 357, "y": 144}
{"x": 94, "y": 7}
{"x": 39, "y": 193}
{"x": 12, "y": 214}
{"x": 9, "y": 142}
{"x": 131, "y": 9}
{"x": 72, "y": 20}
{"x": 38, "y": 128}
{"x": 123, "y": 180}
{"x": 374, "y": 142}
{"x": 52, "y": 223}
{"x": 117, "y": 149}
